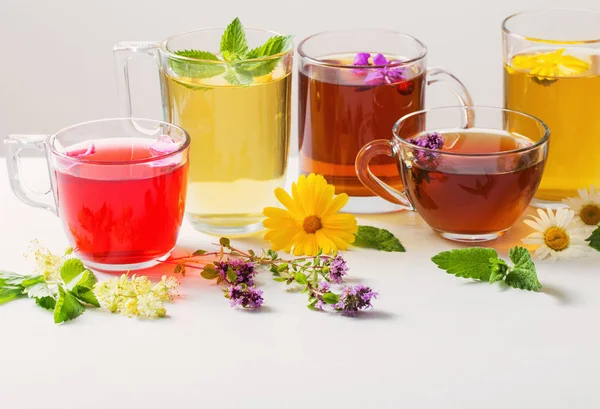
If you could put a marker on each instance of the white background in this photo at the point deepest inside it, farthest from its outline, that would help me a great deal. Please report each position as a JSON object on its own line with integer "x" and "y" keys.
{"x": 56, "y": 65}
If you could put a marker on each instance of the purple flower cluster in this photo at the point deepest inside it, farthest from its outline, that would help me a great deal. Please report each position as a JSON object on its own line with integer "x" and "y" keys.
{"x": 244, "y": 296}
{"x": 337, "y": 269}
{"x": 380, "y": 75}
{"x": 354, "y": 299}
{"x": 432, "y": 140}
{"x": 243, "y": 269}
{"x": 321, "y": 289}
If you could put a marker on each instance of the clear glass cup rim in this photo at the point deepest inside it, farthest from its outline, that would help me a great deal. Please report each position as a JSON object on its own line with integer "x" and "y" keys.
{"x": 315, "y": 61}
{"x": 507, "y": 31}
{"x": 50, "y": 142}
{"x": 536, "y": 145}
{"x": 171, "y": 54}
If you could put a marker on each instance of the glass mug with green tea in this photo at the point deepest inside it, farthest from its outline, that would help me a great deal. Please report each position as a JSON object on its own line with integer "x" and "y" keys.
{"x": 118, "y": 186}
{"x": 552, "y": 71}
{"x": 230, "y": 89}
{"x": 468, "y": 171}
{"x": 353, "y": 87}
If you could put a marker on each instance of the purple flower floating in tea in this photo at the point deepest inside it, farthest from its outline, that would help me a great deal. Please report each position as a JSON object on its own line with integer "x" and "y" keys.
{"x": 431, "y": 140}
{"x": 164, "y": 144}
{"x": 380, "y": 73}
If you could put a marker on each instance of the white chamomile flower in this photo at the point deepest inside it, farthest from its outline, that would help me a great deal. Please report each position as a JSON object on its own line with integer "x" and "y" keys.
{"x": 586, "y": 207}
{"x": 558, "y": 235}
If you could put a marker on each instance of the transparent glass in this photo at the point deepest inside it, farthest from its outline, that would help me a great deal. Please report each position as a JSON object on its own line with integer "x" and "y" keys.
{"x": 240, "y": 131}
{"x": 552, "y": 71}
{"x": 118, "y": 191}
{"x": 341, "y": 108}
{"x": 482, "y": 180}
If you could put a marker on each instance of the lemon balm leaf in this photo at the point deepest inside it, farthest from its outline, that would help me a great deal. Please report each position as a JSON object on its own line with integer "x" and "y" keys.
{"x": 468, "y": 263}
{"x": 594, "y": 239}
{"x": 70, "y": 269}
{"x": 376, "y": 238}
{"x": 83, "y": 290}
{"x": 67, "y": 307}
{"x": 234, "y": 45}
{"x": 523, "y": 275}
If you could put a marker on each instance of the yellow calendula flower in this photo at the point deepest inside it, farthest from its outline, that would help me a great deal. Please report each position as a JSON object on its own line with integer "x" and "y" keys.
{"x": 310, "y": 220}
{"x": 550, "y": 65}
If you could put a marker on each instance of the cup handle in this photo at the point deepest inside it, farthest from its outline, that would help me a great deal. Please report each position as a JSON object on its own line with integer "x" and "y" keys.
{"x": 372, "y": 182}
{"x": 437, "y": 74}
{"x": 123, "y": 52}
{"x": 14, "y": 145}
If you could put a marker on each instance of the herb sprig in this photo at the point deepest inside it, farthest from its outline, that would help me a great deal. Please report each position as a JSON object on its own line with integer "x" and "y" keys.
{"x": 239, "y": 63}
{"x": 484, "y": 264}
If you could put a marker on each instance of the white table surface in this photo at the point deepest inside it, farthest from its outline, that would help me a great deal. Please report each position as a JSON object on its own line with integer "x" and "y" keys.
{"x": 432, "y": 341}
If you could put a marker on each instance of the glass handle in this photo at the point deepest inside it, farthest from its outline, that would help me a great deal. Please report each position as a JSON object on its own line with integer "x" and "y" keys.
{"x": 123, "y": 52}
{"x": 372, "y": 182}
{"x": 441, "y": 75}
{"x": 14, "y": 145}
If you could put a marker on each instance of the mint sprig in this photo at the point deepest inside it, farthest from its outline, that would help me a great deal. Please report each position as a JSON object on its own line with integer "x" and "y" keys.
{"x": 484, "y": 264}
{"x": 239, "y": 65}
{"x": 376, "y": 238}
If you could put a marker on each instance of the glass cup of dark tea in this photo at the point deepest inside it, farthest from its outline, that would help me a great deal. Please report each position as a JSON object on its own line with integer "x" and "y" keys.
{"x": 470, "y": 172}
{"x": 118, "y": 186}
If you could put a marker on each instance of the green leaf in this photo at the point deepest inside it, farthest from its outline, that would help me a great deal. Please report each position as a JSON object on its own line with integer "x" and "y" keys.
{"x": 331, "y": 298}
{"x": 231, "y": 275}
{"x": 282, "y": 267}
{"x": 84, "y": 289}
{"x": 311, "y": 305}
{"x": 238, "y": 77}
{"x": 38, "y": 290}
{"x": 70, "y": 269}
{"x": 233, "y": 42}
{"x": 273, "y": 254}
{"x": 468, "y": 263}
{"x": 48, "y": 303}
{"x": 29, "y": 281}
{"x": 10, "y": 293}
{"x": 202, "y": 68}
{"x": 225, "y": 242}
{"x": 375, "y": 238}
{"x": 198, "y": 253}
{"x": 209, "y": 272}
{"x": 280, "y": 279}
{"x": 498, "y": 269}
{"x": 594, "y": 239}
{"x": 251, "y": 252}
{"x": 274, "y": 45}
{"x": 67, "y": 307}
{"x": 523, "y": 274}
{"x": 301, "y": 278}
{"x": 9, "y": 278}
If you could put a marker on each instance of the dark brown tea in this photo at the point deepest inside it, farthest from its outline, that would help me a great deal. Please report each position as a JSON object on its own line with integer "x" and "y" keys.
{"x": 473, "y": 194}
{"x": 339, "y": 113}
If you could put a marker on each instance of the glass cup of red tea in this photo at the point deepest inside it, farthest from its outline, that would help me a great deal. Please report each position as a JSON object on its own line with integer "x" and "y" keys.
{"x": 353, "y": 86}
{"x": 470, "y": 172}
{"x": 118, "y": 186}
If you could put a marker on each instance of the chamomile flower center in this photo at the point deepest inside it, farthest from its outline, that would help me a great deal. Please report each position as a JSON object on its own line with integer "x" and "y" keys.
{"x": 590, "y": 214}
{"x": 556, "y": 238}
{"x": 312, "y": 224}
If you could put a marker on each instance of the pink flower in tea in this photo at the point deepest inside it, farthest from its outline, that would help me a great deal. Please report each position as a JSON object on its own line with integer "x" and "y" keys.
{"x": 163, "y": 145}
{"x": 380, "y": 59}
{"x": 381, "y": 74}
{"x": 431, "y": 140}
{"x": 80, "y": 153}
{"x": 362, "y": 59}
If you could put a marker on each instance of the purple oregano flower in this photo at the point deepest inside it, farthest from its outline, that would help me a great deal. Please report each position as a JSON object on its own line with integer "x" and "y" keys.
{"x": 354, "y": 299}
{"x": 244, "y": 296}
{"x": 337, "y": 269}
{"x": 381, "y": 74}
{"x": 431, "y": 140}
{"x": 243, "y": 269}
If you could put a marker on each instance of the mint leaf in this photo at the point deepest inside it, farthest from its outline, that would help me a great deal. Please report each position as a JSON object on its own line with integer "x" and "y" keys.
{"x": 375, "y": 238}
{"x": 48, "y": 303}
{"x": 274, "y": 45}
{"x": 39, "y": 290}
{"x": 594, "y": 239}
{"x": 10, "y": 293}
{"x": 70, "y": 269}
{"x": 238, "y": 77}
{"x": 233, "y": 42}
{"x": 498, "y": 270}
{"x": 196, "y": 69}
{"x": 67, "y": 307}
{"x": 523, "y": 274}
{"x": 10, "y": 279}
{"x": 468, "y": 263}
{"x": 83, "y": 290}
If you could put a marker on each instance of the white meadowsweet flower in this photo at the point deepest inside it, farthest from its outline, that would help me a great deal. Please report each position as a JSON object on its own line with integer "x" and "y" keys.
{"x": 586, "y": 207}
{"x": 150, "y": 305}
{"x": 558, "y": 235}
{"x": 107, "y": 293}
{"x": 44, "y": 261}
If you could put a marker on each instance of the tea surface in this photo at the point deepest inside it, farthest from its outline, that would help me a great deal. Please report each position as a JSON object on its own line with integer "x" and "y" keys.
{"x": 339, "y": 114}
{"x": 118, "y": 213}
{"x": 473, "y": 195}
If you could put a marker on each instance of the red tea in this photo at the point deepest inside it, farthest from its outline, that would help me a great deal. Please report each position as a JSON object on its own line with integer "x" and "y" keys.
{"x": 339, "y": 113}
{"x": 119, "y": 212}
{"x": 471, "y": 194}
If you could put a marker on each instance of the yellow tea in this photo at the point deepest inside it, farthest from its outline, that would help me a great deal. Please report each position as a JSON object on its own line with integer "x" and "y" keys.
{"x": 561, "y": 88}
{"x": 240, "y": 140}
